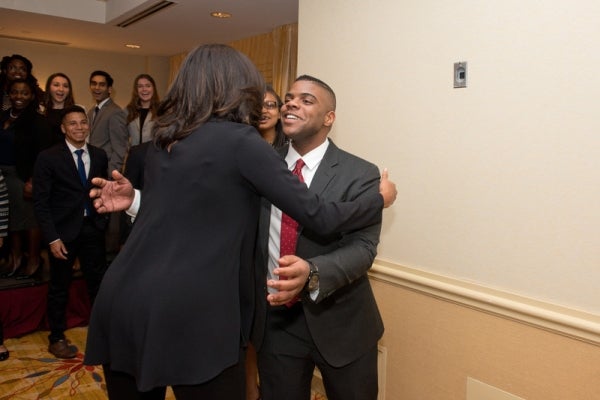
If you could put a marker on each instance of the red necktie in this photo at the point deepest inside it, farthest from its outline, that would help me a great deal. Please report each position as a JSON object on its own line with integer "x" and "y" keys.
{"x": 289, "y": 229}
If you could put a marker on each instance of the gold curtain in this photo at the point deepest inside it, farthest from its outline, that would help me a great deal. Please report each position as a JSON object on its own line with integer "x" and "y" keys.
{"x": 285, "y": 58}
{"x": 174, "y": 64}
{"x": 260, "y": 50}
{"x": 275, "y": 54}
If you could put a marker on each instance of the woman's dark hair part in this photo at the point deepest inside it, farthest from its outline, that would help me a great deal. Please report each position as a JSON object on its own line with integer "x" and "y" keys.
{"x": 215, "y": 81}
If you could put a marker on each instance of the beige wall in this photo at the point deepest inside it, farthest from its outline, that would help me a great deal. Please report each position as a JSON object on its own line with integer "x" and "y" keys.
{"x": 78, "y": 64}
{"x": 498, "y": 183}
{"x": 434, "y": 345}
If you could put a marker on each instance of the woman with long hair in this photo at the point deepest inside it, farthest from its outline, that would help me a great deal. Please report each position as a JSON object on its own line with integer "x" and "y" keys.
{"x": 58, "y": 96}
{"x": 175, "y": 307}
{"x": 142, "y": 109}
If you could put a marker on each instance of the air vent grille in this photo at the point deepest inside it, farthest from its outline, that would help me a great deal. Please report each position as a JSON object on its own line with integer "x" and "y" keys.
{"x": 161, "y": 5}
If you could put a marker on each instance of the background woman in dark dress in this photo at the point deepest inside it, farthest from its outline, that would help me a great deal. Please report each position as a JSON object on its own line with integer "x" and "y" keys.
{"x": 24, "y": 132}
{"x": 176, "y": 305}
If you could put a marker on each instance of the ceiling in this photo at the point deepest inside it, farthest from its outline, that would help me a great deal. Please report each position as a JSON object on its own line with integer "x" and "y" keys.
{"x": 92, "y": 24}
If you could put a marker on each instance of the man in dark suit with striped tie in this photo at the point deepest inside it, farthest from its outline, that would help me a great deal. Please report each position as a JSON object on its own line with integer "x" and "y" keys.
{"x": 68, "y": 220}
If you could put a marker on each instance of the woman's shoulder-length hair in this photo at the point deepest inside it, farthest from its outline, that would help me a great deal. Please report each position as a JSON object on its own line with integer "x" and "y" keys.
{"x": 215, "y": 81}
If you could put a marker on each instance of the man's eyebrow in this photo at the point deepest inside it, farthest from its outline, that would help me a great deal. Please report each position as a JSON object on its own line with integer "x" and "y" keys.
{"x": 301, "y": 95}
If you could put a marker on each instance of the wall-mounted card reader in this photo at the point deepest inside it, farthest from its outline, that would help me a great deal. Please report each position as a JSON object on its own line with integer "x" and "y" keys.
{"x": 460, "y": 74}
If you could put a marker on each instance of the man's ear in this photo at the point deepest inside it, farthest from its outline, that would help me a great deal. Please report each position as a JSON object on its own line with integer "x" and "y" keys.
{"x": 329, "y": 118}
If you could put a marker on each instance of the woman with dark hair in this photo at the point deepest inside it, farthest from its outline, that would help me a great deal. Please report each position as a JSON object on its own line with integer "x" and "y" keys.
{"x": 16, "y": 67}
{"x": 59, "y": 95}
{"x": 142, "y": 109}
{"x": 271, "y": 130}
{"x": 141, "y": 112}
{"x": 23, "y": 134}
{"x": 176, "y": 305}
{"x": 270, "y": 126}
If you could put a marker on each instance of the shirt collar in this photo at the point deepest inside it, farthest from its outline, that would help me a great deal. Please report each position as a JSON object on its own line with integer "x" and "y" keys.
{"x": 312, "y": 159}
{"x": 73, "y": 148}
{"x": 103, "y": 102}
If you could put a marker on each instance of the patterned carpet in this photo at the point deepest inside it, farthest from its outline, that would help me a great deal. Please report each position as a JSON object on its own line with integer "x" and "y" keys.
{"x": 32, "y": 373}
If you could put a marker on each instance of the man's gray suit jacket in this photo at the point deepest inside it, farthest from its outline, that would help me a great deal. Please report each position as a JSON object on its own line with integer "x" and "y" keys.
{"x": 109, "y": 132}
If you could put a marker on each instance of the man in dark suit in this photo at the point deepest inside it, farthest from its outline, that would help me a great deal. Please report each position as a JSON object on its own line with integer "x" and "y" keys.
{"x": 336, "y": 324}
{"x": 108, "y": 132}
{"x": 68, "y": 220}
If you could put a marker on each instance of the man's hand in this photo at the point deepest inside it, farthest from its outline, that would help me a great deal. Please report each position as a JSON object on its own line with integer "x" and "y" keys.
{"x": 58, "y": 249}
{"x": 115, "y": 195}
{"x": 387, "y": 189}
{"x": 293, "y": 273}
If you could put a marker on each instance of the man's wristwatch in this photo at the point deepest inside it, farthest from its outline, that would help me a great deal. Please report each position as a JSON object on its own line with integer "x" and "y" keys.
{"x": 312, "y": 282}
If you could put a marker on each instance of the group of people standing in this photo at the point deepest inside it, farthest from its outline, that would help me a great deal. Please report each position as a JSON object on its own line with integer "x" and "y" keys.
{"x": 55, "y": 212}
{"x": 252, "y": 239}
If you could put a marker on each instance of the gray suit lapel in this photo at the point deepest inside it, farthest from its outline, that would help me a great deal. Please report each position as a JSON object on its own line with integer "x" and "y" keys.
{"x": 102, "y": 111}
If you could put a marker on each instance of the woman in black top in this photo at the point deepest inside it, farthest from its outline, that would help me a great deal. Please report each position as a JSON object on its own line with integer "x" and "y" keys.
{"x": 58, "y": 96}
{"x": 24, "y": 132}
{"x": 176, "y": 305}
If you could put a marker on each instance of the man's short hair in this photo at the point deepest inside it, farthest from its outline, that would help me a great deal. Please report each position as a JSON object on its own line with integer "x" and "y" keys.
{"x": 72, "y": 109}
{"x": 320, "y": 83}
{"x": 109, "y": 79}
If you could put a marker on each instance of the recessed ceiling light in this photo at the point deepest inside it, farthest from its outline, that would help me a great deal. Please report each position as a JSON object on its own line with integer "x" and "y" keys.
{"x": 133, "y": 46}
{"x": 220, "y": 14}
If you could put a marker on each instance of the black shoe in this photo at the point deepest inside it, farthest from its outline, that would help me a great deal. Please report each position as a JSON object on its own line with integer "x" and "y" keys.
{"x": 16, "y": 267}
{"x": 36, "y": 274}
{"x": 4, "y": 355}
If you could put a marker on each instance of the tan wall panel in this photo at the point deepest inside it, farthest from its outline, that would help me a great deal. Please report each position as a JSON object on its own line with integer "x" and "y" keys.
{"x": 434, "y": 345}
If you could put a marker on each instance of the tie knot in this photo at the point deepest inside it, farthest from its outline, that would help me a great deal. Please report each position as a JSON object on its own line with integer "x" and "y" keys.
{"x": 79, "y": 152}
{"x": 298, "y": 167}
